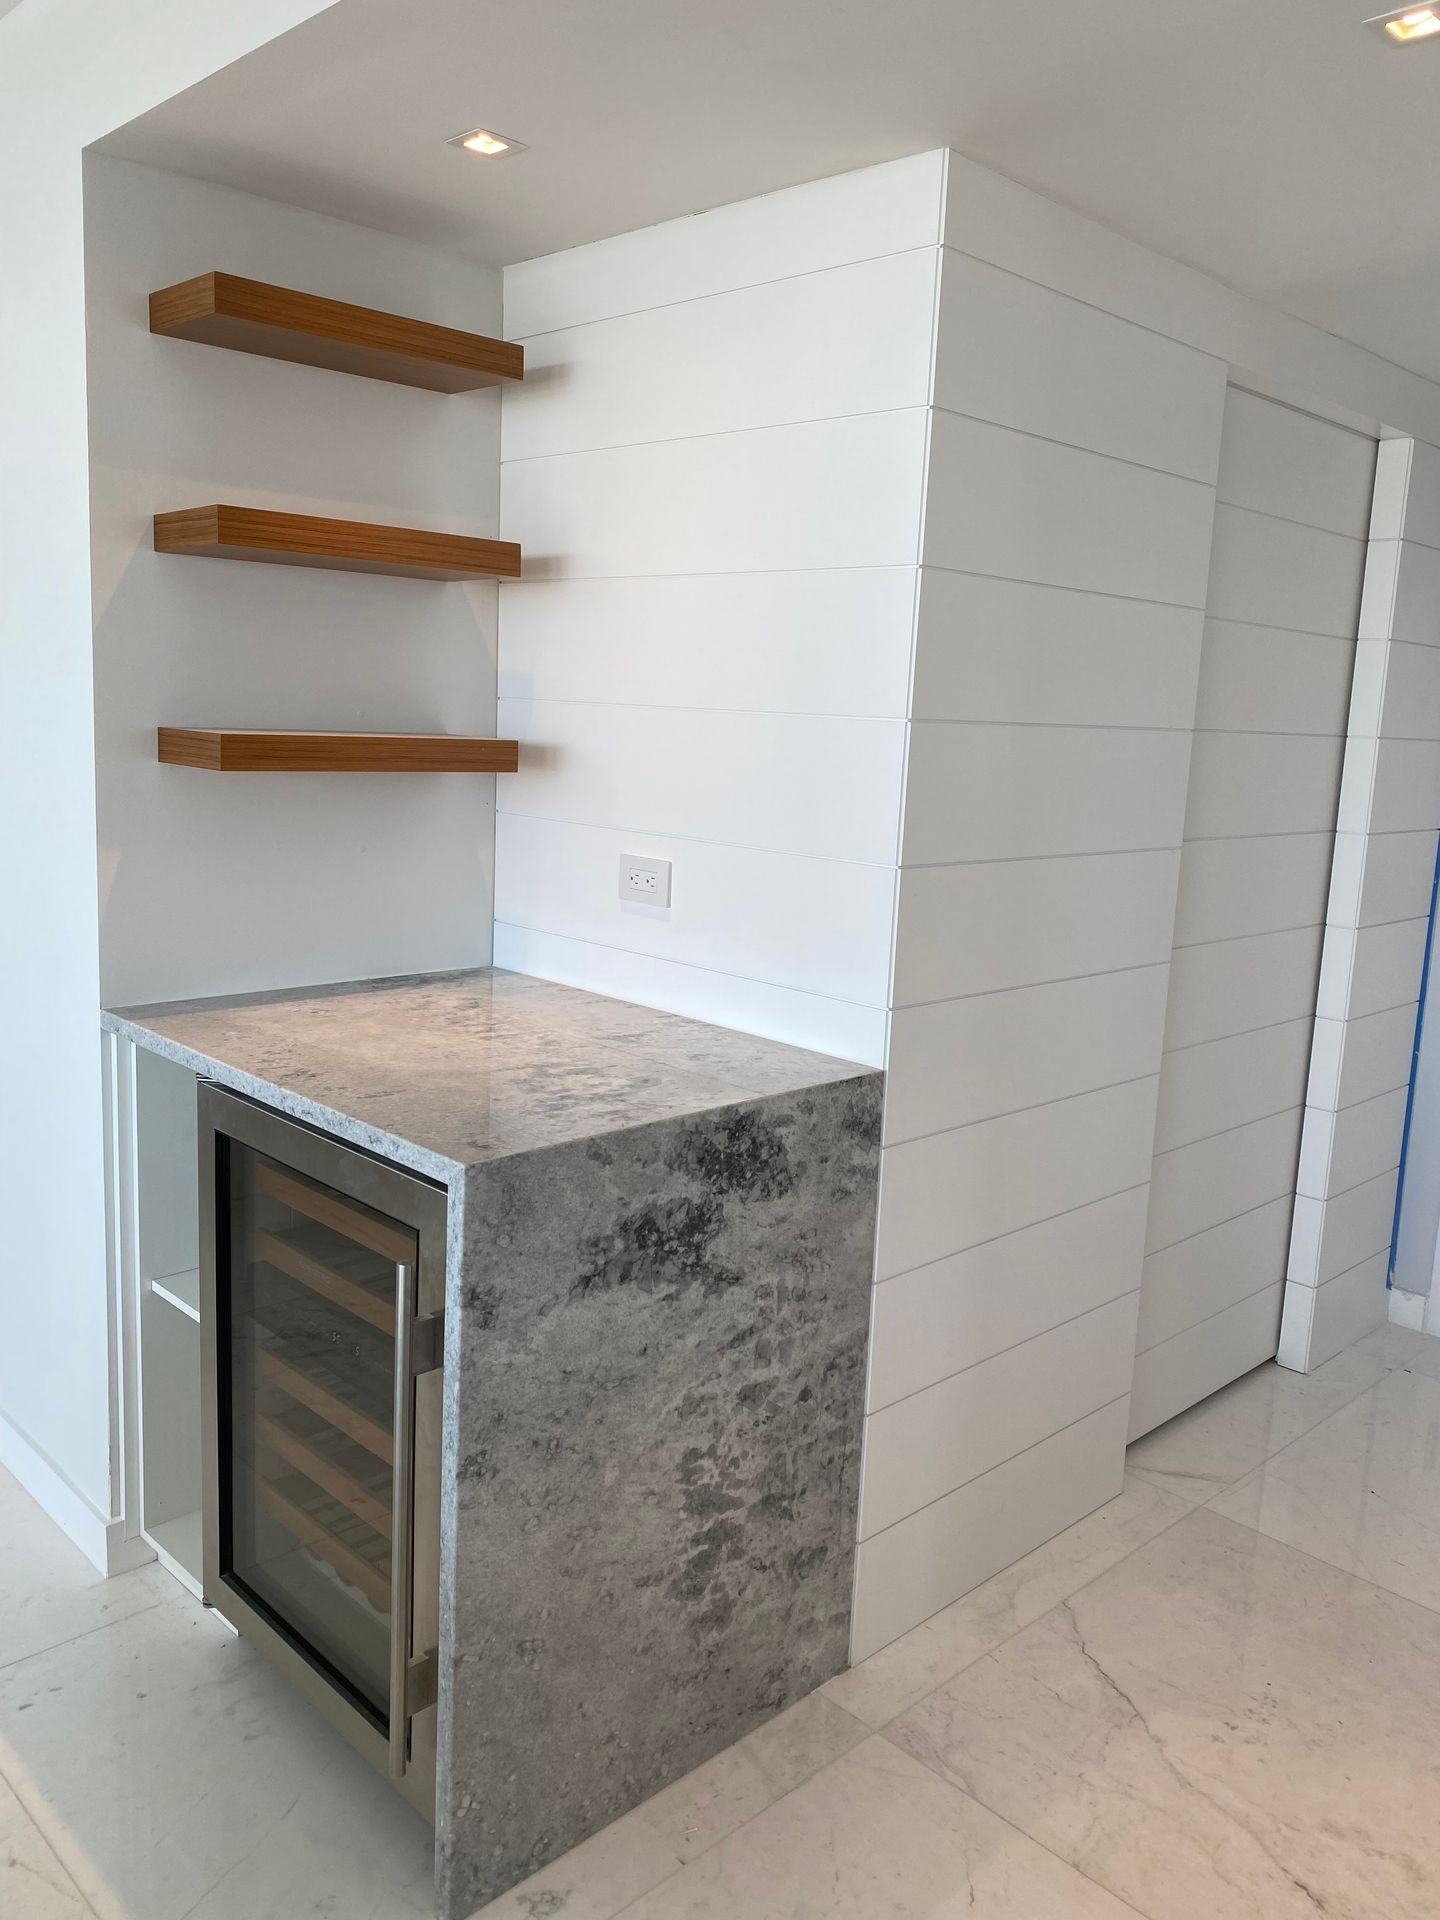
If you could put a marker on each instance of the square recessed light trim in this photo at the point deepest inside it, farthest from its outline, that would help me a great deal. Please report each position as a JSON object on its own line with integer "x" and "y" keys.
{"x": 486, "y": 142}
{"x": 1408, "y": 25}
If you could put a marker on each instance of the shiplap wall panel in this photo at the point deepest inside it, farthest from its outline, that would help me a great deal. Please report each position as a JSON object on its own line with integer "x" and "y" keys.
{"x": 991, "y": 924}
{"x": 960, "y": 1310}
{"x": 1067, "y": 658}
{"x": 1275, "y": 679}
{"x": 1232, "y": 889}
{"x": 716, "y": 468}
{"x": 1058, "y": 639}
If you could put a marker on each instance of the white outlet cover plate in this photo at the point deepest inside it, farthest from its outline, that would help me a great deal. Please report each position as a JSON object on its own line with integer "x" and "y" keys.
{"x": 645, "y": 880}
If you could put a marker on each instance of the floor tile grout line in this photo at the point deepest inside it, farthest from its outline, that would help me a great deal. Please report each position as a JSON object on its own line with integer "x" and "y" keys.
{"x": 1064, "y": 1600}
{"x": 71, "y": 1640}
{"x": 1193, "y": 1508}
{"x": 87, "y": 1906}
{"x": 1029, "y": 1838}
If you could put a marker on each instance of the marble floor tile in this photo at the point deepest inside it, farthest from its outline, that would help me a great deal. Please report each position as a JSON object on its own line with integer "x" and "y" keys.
{"x": 174, "y": 1772}
{"x": 594, "y": 1881}
{"x": 1200, "y": 1453}
{"x": 704, "y": 1806}
{"x": 1361, "y": 1490}
{"x": 1402, "y": 1347}
{"x": 33, "y": 1884}
{"x": 876, "y": 1835}
{"x": 904, "y": 1672}
{"x": 1220, "y": 1728}
{"x": 49, "y": 1592}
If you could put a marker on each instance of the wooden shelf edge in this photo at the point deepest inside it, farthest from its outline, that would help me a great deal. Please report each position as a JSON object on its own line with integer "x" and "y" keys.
{"x": 221, "y": 532}
{"x": 242, "y": 750}
{"x": 281, "y": 323}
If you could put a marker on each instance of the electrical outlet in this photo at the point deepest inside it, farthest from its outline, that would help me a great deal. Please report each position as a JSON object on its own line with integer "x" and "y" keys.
{"x": 644, "y": 879}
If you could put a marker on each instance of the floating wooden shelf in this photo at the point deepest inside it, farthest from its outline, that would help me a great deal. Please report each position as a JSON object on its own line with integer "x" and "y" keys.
{"x": 231, "y": 750}
{"x": 352, "y": 546}
{"x": 222, "y": 310}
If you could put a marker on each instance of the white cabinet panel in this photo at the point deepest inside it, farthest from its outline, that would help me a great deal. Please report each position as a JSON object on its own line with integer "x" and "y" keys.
{"x": 957, "y": 1061}
{"x": 1010, "y": 650}
{"x": 904, "y": 1575}
{"x": 1196, "y": 1363}
{"x": 1411, "y": 708}
{"x": 1196, "y": 1187}
{"x": 958, "y": 1311}
{"x": 1342, "y": 1311}
{"x": 815, "y": 346}
{"x": 1001, "y": 502}
{"x": 793, "y": 783}
{"x": 1237, "y": 986}
{"x": 1008, "y": 350}
{"x": 803, "y": 229}
{"x": 1377, "y": 967}
{"x": 973, "y": 929}
{"x": 819, "y": 926}
{"x": 1262, "y": 783}
{"x": 1007, "y": 793}
{"x": 833, "y": 493}
{"x": 1276, "y": 574}
{"x": 1213, "y": 1270}
{"x": 831, "y": 642}
{"x": 1264, "y": 680}
{"x": 1330, "y": 1237}
{"x": 1340, "y": 1150}
{"x": 954, "y": 1190}
{"x": 1416, "y": 595}
{"x": 1387, "y": 878}
{"x": 1355, "y": 1060}
{"x": 1278, "y": 460}
{"x": 1228, "y": 1082}
{"x": 1405, "y": 797}
{"x": 1249, "y": 885}
{"x": 925, "y": 1446}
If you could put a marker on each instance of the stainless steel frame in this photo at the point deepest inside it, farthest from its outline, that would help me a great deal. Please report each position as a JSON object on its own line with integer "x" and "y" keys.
{"x": 407, "y": 1753}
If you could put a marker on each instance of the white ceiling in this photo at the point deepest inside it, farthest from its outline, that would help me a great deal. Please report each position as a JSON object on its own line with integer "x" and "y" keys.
{"x": 1274, "y": 143}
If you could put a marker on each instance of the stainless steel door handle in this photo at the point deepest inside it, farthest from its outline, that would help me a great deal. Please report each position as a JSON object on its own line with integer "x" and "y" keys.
{"x": 419, "y": 1348}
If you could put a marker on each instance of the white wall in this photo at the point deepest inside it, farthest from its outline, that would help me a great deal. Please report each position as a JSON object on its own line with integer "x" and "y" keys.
{"x": 716, "y": 468}
{"x": 69, "y": 73}
{"x": 280, "y": 879}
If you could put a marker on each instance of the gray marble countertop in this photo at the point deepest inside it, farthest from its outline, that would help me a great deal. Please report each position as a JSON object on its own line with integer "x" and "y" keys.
{"x": 441, "y": 1072}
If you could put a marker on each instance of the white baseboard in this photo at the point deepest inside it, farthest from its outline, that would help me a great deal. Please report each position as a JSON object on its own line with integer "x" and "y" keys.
{"x": 101, "y": 1539}
{"x": 1407, "y": 1309}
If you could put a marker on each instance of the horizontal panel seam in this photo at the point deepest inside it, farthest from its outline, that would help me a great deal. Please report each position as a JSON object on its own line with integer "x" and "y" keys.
{"x": 1229, "y": 1221}
{"x": 1075, "y": 446}
{"x": 933, "y": 1386}
{"x": 974, "y": 1246}
{"x": 917, "y": 407}
{"x": 695, "y": 839}
{"x": 1009, "y": 1113}
{"x": 1232, "y": 1306}
{"x": 1028, "y": 986}
{"x": 1221, "y": 1133}
{"x": 950, "y": 1492}
{"x": 721, "y": 293}
{"x": 692, "y": 966}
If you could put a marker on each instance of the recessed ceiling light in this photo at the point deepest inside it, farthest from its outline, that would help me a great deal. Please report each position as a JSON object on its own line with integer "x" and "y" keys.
{"x": 490, "y": 146}
{"x": 1412, "y": 23}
